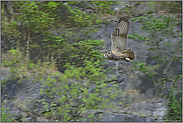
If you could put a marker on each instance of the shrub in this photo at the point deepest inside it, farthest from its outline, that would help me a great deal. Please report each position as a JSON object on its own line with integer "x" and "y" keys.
{"x": 6, "y": 117}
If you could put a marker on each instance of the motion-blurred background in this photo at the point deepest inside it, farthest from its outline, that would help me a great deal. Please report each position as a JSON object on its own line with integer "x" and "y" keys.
{"x": 52, "y": 70}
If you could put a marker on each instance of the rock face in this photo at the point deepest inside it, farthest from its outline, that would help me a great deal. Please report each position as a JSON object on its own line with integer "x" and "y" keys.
{"x": 114, "y": 117}
{"x": 128, "y": 78}
{"x": 22, "y": 97}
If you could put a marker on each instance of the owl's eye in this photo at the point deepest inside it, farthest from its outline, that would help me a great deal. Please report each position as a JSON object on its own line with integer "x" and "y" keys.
{"x": 108, "y": 53}
{"x": 105, "y": 56}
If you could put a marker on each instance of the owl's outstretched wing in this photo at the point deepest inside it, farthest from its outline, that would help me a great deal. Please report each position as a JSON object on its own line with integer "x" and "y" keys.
{"x": 119, "y": 42}
{"x": 119, "y": 35}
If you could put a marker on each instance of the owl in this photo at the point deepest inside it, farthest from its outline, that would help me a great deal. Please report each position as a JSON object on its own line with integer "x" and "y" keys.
{"x": 118, "y": 43}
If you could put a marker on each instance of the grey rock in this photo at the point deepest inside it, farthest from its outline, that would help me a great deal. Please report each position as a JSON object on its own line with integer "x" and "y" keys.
{"x": 18, "y": 116}
{"x": 149, "y": 119}
{"x": 120, "y": 78}
{"x": 9, "y": 90}
{"x": 14, "y": 112}
{"x": 149, "y": 107}
{"x": 42, "y": 119}
{"x": 11, "y": 105}
{"x": 31, "y": 119}
{"x": 158, "y": 105}
{"x": 114, "y": 117}
{"x": 139, "y": 119}
{"x": 122, "y": 84}
{"x": 160, "y": 112}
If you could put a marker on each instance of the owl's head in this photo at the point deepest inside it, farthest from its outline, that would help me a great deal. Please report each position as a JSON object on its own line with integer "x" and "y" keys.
{"x": 108, "y": 55}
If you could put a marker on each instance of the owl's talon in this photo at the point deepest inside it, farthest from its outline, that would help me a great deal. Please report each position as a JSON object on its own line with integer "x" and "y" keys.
{"x": 127, "y": 59}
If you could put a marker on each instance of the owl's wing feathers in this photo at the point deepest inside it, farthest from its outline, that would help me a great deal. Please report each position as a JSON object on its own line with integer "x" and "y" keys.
{"x": 119, "y": 35}
{"x": 131, "y": 53}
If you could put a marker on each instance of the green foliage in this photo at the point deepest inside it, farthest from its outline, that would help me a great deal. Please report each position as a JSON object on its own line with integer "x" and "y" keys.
{"x": 104, "y": 7}
{"x": 21, "y": 68}
{"x": 152, "y": 4}
{"x": 43, "y": 34}
{"x": 81, "y": 18}
{"x": 174, "y": 113}
{"x": 147, "y": 69}
{"x": 14, "y": 60}
{"x": 155, "y": 26}
{"x": 37, "y": 21}
{"x": 161, "y": 33}
{"x": 173, "y": 6}
{"x": 6, "y": 117}
{"x": 77, "y": 90}
{"x": 80, "y": 88}
{"x": 80, "y": 51}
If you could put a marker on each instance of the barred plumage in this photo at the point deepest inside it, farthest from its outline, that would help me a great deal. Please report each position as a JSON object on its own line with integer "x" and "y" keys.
{"x": 119, "y": 42}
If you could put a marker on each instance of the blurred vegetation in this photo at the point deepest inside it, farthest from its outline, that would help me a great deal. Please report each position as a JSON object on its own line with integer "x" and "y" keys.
{"x": 160, "y": 29}
{"x": 6, "y": 117}
{"x": 41, "y": 37}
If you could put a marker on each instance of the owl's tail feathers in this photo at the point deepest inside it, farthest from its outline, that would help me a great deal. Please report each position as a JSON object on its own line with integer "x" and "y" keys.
{"x": 131, "y": 53}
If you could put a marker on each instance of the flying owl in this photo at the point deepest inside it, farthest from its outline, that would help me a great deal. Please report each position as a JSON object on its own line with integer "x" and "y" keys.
{"x": 119, "y": 42}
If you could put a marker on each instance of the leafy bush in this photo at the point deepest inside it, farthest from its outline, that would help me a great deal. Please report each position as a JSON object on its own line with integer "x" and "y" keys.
{"x": 45, "y": 40}
{"x": 104, "y": 7}
{"x": 77, "y": 90}
{"x": 40, "y": 32}
{"x": 174, "y": 113}
{"x": 6, "y": 117}
{"x": 21, "y": 68}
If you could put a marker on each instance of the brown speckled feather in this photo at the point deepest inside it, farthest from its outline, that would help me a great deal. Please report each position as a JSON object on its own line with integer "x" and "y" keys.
{"x": 119, "y": 36}
{"x": 119, "y": 42}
